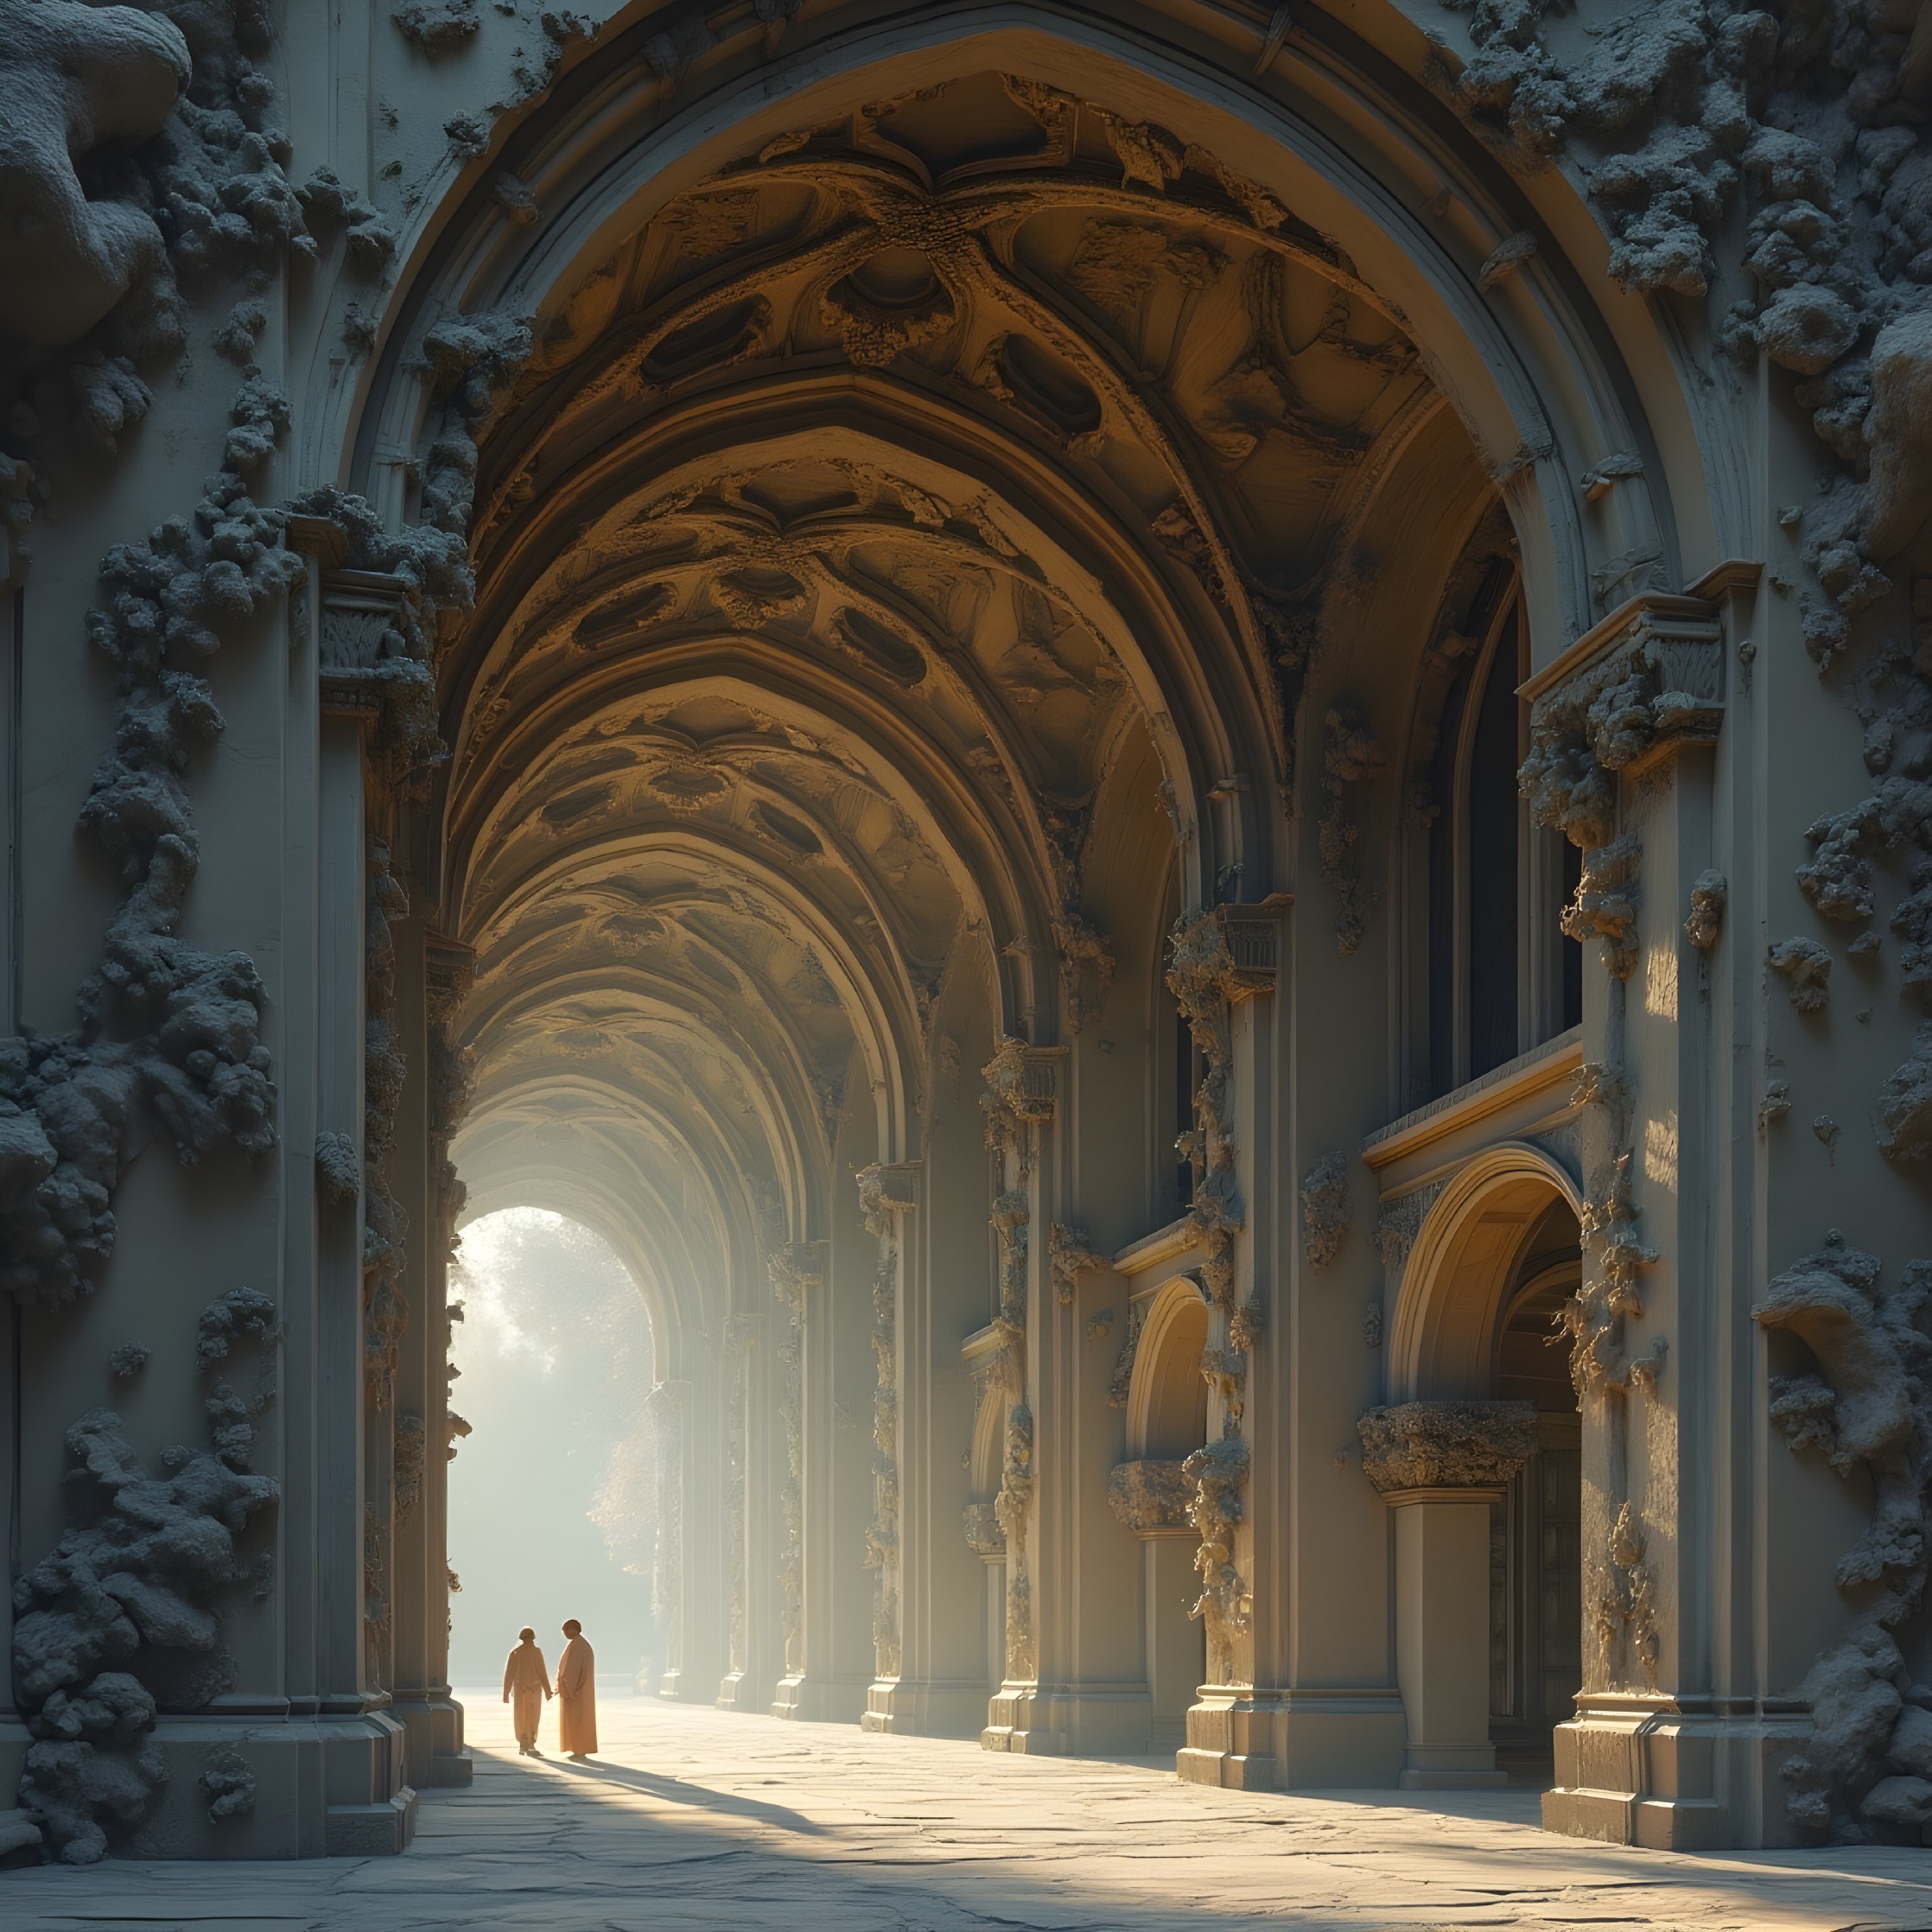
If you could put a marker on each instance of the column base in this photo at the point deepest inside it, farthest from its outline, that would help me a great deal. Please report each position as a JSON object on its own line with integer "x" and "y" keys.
{"x": 929, "y": 1707}
{"x": 819, "y": 1700}
{"x": 1060, "y": 1721}
{"x": 432, "y": 1721}
{"x": 327, "y": 1787}
{"x": 1446, "y": 1767}
{"x": 1673, "y": 1776}
{"x": 742, "y": 1692}
{"x": 1262, "y": 1740}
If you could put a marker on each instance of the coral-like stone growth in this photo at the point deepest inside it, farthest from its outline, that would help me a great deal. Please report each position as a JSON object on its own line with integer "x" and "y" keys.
{"x": 1324, "y": 1209}
{"x": 1905, "y": 1104}
{"x": 1708, "y": 894}
{"x": 77, "y": 77}
{"x": 437, "y": 26}
{"x": 1807, "y": 967}
{"x": 1868, "y": 1410}
{"x": 1070, "y": 1254}
{"x": 120, "y": 1620}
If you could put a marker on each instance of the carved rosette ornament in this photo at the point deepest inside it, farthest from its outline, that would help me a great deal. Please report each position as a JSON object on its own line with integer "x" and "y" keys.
{"x": 1446, "y": 1446}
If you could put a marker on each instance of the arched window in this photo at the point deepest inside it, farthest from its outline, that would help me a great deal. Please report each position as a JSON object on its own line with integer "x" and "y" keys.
{"x": 1503, "y": 977}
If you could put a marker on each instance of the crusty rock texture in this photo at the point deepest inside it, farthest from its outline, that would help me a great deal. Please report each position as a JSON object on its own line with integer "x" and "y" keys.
{"x": 1809, "y": 121}
{"x": 1324, "y": 1209}
{"x": 76, "y": 78}
{"x": 120, "y": 1622}
{"x": 1868, "y": 1411}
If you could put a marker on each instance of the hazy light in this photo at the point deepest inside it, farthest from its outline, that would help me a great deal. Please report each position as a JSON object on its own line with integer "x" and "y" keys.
{"x": 551, "y": 1497}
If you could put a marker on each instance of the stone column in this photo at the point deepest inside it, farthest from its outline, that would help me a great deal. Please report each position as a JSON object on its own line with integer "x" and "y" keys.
{"x": 1441, "y": 1467}
{"x": 835, "y": 1660}
{"x": 1635, "y": 755}
{"x": 797, "y": 1276}
{"x": 370, "y": 1804}
{"x": 749, "y": 1516}
{"x": 1153, "y": 1498}
{"x": 449, "y": 970}
{"x": 666, "y": 1406}
{"x": 896, "y": 1542}
{"x": 410, "y": 1553}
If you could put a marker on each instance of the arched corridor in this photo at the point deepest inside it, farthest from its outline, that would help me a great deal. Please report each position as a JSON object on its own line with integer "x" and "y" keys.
{"x": 1125, "y": 740}
{"x": 898, "y": 569}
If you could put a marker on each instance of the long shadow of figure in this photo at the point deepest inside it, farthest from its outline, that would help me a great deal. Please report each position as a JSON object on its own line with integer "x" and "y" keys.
{"x": 676, "y": 1790}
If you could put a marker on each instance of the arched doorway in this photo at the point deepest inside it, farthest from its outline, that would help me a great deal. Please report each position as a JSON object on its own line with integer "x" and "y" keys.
{"x": 750, "y": 796}
{"x": 1167, "y": 1421}
{"x": 1537, "y": 1577}
{"x": 1478, "y": 1455}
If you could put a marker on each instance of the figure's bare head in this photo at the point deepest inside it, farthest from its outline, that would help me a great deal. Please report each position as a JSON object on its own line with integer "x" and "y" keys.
{"x": 528, "y": 1635}
{"x": 573, "y": 1628}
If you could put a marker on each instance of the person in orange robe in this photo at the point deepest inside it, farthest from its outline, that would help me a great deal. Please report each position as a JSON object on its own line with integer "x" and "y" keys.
{"x": 526, "y": 1683}
{"x": 576, "y": 1694}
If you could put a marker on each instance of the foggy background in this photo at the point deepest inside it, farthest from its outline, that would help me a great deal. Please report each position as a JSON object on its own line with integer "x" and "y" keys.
{"x": 550, "y": 1496}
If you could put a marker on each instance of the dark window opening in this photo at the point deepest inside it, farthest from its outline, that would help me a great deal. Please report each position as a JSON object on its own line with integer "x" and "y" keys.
{"x": 1492, "y": 859}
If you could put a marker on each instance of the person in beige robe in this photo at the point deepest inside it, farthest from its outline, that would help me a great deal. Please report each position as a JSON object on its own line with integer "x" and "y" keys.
{"x": 576, "y": 1694}
{"x": 526, "y": 1683}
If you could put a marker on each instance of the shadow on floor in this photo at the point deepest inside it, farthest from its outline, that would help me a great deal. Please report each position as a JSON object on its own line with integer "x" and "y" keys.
{"x": 676, "y": 1790}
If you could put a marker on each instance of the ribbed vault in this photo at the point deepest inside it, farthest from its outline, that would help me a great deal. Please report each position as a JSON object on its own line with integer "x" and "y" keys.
{"x": 856, "y": 517}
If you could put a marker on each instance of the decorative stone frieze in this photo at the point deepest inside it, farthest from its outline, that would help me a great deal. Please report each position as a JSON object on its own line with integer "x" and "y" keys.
{"x": 1424, "y": 1445}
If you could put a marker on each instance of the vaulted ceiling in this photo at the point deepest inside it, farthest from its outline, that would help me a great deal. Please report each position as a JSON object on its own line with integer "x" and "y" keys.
{"x": 852, "y": 518}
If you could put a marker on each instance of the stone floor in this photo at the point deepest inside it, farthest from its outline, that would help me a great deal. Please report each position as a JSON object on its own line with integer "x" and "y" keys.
{"x": 695, "y": 1819}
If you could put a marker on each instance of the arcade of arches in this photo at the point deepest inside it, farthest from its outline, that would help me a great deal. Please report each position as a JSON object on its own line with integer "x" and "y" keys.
{"x": 908, "y": 638}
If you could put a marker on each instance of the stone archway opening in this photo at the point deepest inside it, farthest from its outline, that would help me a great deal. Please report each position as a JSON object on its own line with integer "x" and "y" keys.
{"x": 552, "y": 1487}
{"x": 895, "y": 591}
{"x": 1480, "y": 1470}
{"x": 1151, "y": 1493}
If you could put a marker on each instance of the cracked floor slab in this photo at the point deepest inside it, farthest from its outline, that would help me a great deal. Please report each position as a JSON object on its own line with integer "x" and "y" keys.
{"x": 699, "y": 1819}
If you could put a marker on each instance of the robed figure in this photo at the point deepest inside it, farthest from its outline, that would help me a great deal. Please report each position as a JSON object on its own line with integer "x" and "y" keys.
{"x": 576, "y": 1694}
{"x": 526, "y": 1683}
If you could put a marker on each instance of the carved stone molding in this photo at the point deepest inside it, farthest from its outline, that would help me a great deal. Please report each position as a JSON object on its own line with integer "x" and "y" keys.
{"x": 1435, "y": 1446}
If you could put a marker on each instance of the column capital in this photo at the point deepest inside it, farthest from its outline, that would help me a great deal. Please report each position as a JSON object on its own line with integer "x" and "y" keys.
{"x": 1252, "y": 935}
{"x": 1663, "y": 654}
{"x": 1446, "y": 1446}
{"x": 887, "y": 1190}
{"x": 1151, "y": 1496}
